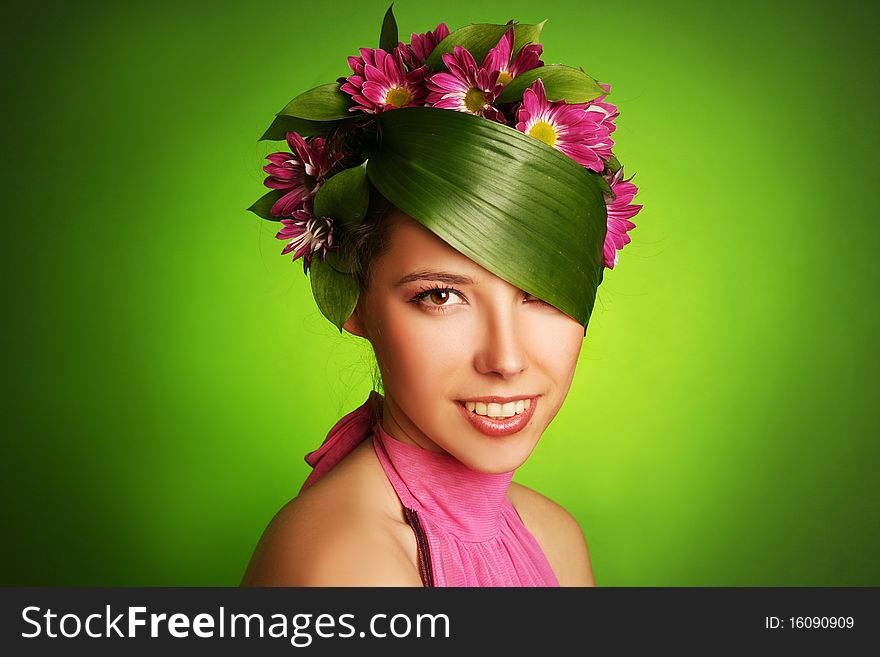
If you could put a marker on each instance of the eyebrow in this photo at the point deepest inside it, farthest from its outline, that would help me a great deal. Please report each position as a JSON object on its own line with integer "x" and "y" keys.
{"x": 435, "y": 275}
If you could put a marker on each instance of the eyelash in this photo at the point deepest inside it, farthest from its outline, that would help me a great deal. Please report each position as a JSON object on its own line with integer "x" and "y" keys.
{"x": 417, "y": 299}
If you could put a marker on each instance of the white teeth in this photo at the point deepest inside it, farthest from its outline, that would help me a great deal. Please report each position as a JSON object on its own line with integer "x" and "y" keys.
{"x": 499, "y": 411}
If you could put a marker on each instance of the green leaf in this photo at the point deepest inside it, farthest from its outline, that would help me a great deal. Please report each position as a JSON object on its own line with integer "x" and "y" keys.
{"x": 388, "y": 38}
{"x": 509, "y": 202}
{"x": 338, "y": 263}
{"x": 335, "y": 293}
{"x": 603, "y": 184}
{"x": 305, "y": 128}
{"x": 264, "y": 204}
{"x": 613, "y": 164}
{"x": 345, "y": 196}
{"x": 560, "y": 82}
{"x": 479, "y": 39}
{"x": 323, "y": 103}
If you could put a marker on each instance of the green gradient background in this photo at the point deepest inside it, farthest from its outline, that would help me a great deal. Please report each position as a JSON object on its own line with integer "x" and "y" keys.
{"x": 166, "y": 369}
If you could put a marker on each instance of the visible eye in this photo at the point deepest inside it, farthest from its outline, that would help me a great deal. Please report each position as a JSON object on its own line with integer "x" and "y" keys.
{"x": 435, "y": 299}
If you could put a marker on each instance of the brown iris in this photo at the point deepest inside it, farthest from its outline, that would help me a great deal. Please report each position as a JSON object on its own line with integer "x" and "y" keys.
{"x": 437, "y": 294}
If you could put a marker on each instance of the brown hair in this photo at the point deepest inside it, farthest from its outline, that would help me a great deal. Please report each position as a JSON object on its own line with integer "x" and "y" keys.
{"x": 366, "y": 243}
{"x": 369, "y": 239}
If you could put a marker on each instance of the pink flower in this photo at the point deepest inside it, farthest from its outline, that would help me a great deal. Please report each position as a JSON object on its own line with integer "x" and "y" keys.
{"x": 498, "y": 59}
{"x": 580, "y": 134}
{"x": 380, "y": 82}
{"x": 620, "y": 211}
{"x": 421, "y": 46}
{"x": 465, "y": 87}
{"x": 301, "y": 172}
{"x": 606, "y": 111}
{"x": 308, "y": 235}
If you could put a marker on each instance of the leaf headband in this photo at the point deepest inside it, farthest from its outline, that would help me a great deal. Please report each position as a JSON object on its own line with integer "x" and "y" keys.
{"x": 520, "y": 178}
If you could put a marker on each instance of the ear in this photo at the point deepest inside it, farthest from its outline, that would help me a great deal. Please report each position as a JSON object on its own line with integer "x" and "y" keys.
{"x": 354, "y": 323}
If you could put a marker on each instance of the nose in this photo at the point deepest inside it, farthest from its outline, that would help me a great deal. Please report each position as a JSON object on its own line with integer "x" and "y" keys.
{"x": 503, "y": 350}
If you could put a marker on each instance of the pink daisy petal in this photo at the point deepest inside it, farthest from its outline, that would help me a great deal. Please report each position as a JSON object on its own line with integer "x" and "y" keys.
{"x": 278, "y": 159}
{"x": 494, "y": 114}
{"x": 421, "y": 46}
{"x": 289, "y": 203}
{"x": 620, "y": 210}
{"x": 497, "y": 60}
{"x": 583, "y": 155}
{"x": 308, "y": 235}
{"x": 356, "y": 64}
{"x": 528, "y": 58}
{"x": 273, "y": 182}
{"x": 381, "y": 82}
{"x": 579, "y": 134}
{"x": 464, "y": 87}
{"x": 299, "y": 173}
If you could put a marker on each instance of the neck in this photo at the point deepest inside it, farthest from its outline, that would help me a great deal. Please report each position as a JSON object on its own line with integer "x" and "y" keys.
{"x": 403, "y": 430}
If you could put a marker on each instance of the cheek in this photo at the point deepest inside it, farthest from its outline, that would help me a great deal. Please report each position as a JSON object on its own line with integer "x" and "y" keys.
{"x": 561, "y": 342}
{"x": 417, "y": 352}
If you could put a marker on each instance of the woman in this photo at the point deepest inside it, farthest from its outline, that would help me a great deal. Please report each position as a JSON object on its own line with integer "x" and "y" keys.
{"x": 475, "y": 306}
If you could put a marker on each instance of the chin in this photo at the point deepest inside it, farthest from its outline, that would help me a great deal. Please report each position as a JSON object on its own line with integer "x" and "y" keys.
{"x": 497, "y": 457}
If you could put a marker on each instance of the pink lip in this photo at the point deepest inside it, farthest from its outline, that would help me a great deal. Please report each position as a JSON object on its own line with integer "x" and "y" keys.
{"x": 497, "y": 428}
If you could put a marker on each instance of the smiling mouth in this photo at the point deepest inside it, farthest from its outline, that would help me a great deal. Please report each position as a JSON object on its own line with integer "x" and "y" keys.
{"x": 498, "y": 410}
{"x": 499, "y": 426}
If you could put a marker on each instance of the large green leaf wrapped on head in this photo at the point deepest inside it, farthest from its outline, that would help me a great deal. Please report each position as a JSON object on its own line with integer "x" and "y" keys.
{"x": 514, "y": 205}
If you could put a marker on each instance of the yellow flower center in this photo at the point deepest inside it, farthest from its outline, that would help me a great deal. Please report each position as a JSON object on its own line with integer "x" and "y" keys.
{"x": 474, "y": 100}
{"x": 504, "y": 77}
{"x": 398, "y": 96}
{"x": 543, "y": 131}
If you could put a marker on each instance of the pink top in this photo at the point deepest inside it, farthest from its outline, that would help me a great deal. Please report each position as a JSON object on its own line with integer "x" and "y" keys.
{"x": 467, "y": 531}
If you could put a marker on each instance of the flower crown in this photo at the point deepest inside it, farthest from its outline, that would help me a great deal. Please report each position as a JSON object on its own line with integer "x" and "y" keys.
{"x": 558, "y": 105}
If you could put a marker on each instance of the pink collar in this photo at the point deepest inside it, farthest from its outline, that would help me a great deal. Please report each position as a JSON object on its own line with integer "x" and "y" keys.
{"x": 464, "y": 502}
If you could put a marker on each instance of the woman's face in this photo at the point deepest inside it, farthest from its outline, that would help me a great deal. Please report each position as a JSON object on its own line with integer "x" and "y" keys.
{"x": 446, "y": 330}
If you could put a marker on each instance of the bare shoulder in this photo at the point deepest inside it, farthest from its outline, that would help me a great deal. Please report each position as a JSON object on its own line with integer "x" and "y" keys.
{"x": 557, "y": 532}
{"x": 339, "y": 532}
